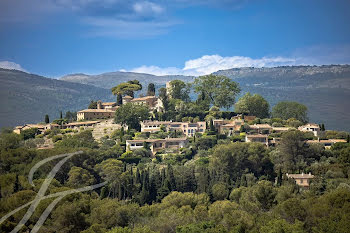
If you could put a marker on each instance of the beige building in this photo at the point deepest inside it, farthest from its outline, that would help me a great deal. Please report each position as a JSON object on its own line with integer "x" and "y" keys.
{"x": 153, "y": 126}
{"x": 260, "y": 138}
{"x": 310, "y": 127}
{"x": 187, "y": 128}
{"x": 91, "y": 114}
{"x": 104, "y": 110}
{"x": 327, "y": 143}
{"x": 280, "y": 129}
{"x": 152, "y": 102}
{"x": 302, "y": 179}
{"x": 157, "y": 144}
{"x": 260, "y": 128}
{"x": 20, "y": 128}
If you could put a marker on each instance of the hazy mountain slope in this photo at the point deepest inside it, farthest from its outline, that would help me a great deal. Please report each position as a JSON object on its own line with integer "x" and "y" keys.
{"x": 109, "y": 80}
{"x": 325, "y": 90}
{"x": 26, "y": 98}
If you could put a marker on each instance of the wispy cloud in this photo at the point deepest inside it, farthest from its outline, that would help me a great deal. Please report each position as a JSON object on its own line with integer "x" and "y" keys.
{"x": 11, "y": 66}
{"x": 211, "y": 63}
{"x": 109, "y": 18}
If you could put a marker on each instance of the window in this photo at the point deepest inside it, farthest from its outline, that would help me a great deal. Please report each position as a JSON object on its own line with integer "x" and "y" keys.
{"x": 301, "y": 181}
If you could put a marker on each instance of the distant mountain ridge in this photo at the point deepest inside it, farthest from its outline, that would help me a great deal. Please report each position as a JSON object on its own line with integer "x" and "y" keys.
{"x": 325, "y": 90}
{"x": 26, "y": 98}
{"x": 111, "y": 79}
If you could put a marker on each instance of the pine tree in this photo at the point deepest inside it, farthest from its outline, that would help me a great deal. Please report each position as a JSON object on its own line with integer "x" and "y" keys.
{"x": 47, "y": 120}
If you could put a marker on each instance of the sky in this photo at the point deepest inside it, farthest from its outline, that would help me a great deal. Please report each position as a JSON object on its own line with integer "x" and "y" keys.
{"x": 190, "y": 37}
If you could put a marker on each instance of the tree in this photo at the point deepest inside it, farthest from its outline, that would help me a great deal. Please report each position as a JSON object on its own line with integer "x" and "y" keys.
{"x": 29, "y": 133}
{"x": 131, "y": 114}
{"x": 164, "y": 98}
{"x": 111, "y": 170}
{"x": 79, "y": 177}
{"x": 71, "y": 116}
{"x": 220, "y": 191}
{"x": 254, "y": 105}
{"x": 291, "y": 151}
{"x": 47, "y": 120}
{"x": 127, "y": 88}
{"x": 220, "y": 89}
{"x": 61, "y": 116}
{"x": 92, "y": 105}
{"x": 151, "y": 91}
{"x": 179, "y": 90}
{"x": 286, "y": 110}
{"x": 265, "y": 194}
{"x": 119, "y": 99}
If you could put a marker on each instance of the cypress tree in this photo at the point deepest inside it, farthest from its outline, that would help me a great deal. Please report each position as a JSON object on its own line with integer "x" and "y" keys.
{"x": 104, "y": 192}
{"x": 163, "y": 191}
{"x": 151, "y": 90}
{"x": 163, "y": 177}
{"x": 47, "y": 119}
{"x": 17, "y": 186}
{"x": 119, "y": 100}
{"x": 171, "y": 178}
{"x": 279, "y": 177}
{"x": 61, "y": 116}
{"x": 212, "y": 128}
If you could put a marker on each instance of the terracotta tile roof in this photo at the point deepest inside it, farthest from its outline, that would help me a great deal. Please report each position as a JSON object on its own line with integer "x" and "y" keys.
{"x": 281, "y": 128}
{"x": 96, "y": 110}
{"x": 326, "y": 141}
{"x": 260, "y": 126}
{"x": 157, "y": 140}
{"x": 156, "y": 122}
{"x": 143, "y": 98}
{"x": 108, "y": 103}
{"x": 256, "y": 136}
{"x": 82, "y": 123}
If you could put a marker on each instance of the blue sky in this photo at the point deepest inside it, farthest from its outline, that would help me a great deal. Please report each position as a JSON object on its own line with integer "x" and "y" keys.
{"x": 192, "y": 37}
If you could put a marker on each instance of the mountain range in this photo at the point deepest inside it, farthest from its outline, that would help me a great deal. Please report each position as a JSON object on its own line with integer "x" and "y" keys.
{"x": 325, "y": 90}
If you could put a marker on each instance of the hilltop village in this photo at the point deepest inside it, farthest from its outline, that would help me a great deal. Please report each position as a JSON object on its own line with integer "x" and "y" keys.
{"x": 175, "y": 164}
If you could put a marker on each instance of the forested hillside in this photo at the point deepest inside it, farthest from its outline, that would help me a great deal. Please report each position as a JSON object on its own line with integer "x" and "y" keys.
{"x": 26, "y": 98}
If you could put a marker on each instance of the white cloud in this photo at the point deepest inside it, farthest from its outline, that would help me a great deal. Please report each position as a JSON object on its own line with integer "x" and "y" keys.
{"x": 211, "y": 63}
{"x": 11, "y": 66}
{"x": 147, "y": 8}
{"x": 127, "y": 29}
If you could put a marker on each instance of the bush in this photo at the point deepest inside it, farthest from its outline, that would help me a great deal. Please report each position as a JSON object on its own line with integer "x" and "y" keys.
{"x": 57, "y": 138}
